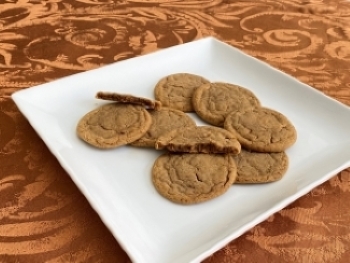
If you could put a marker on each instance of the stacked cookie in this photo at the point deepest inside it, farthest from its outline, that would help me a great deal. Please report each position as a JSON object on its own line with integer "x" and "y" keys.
{"x": 263, "y": 133}
{"x": 243, "y": 141}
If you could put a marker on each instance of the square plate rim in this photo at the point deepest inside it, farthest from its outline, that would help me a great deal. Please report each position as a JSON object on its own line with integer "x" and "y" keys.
{"x": 19, "y": 95}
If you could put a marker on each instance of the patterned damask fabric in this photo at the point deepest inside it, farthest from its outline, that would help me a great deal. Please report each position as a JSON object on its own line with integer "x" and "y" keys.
{"x": 44, "y": 217}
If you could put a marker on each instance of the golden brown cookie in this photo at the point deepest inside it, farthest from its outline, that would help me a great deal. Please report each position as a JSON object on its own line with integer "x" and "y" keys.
{"x": 192, "y": 178}
{"x": 126, "y": 98}
{"x": 175, "y": 91}
{"x": 261, "y": 129}
{"x": 254, "y": 167}
{"x": 164, "y": 120}
{"x": 114, "y": 124}
{"x": 199, "y": 139}
{"x": 214, "y": 101}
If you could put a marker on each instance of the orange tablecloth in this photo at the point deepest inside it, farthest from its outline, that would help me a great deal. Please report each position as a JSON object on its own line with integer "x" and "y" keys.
{"x": 43, "y": 215}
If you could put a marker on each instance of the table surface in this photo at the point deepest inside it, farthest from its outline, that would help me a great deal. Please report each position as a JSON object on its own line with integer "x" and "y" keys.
{"x": 43, "y": 215}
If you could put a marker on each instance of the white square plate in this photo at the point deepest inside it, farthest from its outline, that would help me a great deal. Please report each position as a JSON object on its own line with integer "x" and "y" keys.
{"x": 117, "y": 182}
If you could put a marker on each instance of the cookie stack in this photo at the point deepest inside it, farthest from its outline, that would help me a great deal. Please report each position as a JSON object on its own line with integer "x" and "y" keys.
{"x": 243, "y": 142}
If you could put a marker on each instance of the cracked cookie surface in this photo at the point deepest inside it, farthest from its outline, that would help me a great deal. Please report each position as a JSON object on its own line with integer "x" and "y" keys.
{"x": 176, "y": 90}
{"x": 192, "y": 178}
{"x": 261, "y": 129}
{"x": 199, "y": 139}
{"x": 214, "y": 101}
{"x": 113, "y": 125}
{"x": 164, "y": 120}
{"x": 254, "y": 167}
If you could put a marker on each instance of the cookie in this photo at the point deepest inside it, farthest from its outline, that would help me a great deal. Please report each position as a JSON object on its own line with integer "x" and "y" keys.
{"x": 214, "y": 101}
{"x": 113, "y": 125}
{"x": 261, "y": 129}
{"x": 176, "y": 90}
{"x": 164, "y": 120}
{"x": 126, "y": 98}
{"x": 192, "y": 178}
{"x": 254, "y": 167}
{"x": 199, "y": 139}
